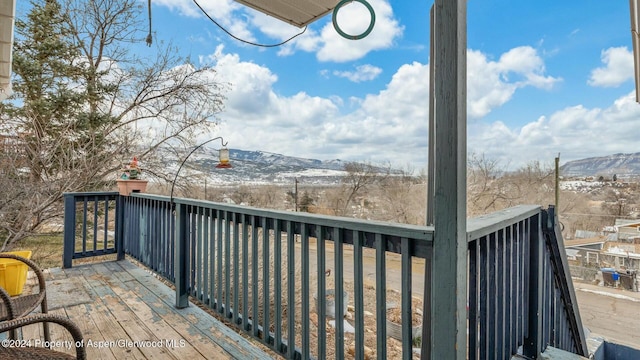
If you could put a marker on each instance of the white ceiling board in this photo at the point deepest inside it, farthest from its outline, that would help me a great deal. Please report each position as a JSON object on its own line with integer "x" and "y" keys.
{"x": 295, "y": 12}
{"x": 6, "y": 7}
{"x": 6, "y": 25}
{"x": 7, "y": 13}
{"x": 634, "y": 7}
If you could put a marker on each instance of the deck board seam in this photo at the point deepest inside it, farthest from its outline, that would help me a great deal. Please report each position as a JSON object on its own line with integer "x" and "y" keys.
{"x": 126, "y": 301}
{"x": 129, "y": 288}
{"x": 238, "y": 345}
{"x": 101, "y": 290}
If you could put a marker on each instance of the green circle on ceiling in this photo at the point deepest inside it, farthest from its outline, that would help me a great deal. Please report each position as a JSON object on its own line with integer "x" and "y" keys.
{"x": 348, "y": 36}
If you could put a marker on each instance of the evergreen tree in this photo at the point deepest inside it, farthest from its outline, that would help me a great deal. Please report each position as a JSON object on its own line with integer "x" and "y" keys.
{"x": 306, "y": 201}
{"x": 84, "y": 102}
{"x": 44, "y": 85}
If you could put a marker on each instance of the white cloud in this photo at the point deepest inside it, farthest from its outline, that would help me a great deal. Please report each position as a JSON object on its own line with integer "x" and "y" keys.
{"x": 218, "y": 9}
{"x": 227, "y": 13}
{"x": 575, "y": 132}
{"x": 618, "y": 68}
{"x": 275, "y": 28}
{"x": 354, "y": 19}
{"x": 244, "y": 22}
{"x": 256, "y": 118}
{"x": 362, "y": 73}
{"x": 492, "y": 83}
{"x": 390, "y": 125}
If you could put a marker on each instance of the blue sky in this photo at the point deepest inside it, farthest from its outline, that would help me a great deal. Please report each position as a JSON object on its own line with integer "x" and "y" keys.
{"x": 544, "y": 77}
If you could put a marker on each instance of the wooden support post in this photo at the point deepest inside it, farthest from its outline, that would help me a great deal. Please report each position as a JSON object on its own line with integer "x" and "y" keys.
{"x": 119, "y": 230}
{"x": 69, "y": 230}
{"x": 182, "y": 257}
{"x": 425, "y": 350}
{"x": 449, "y": 266}
{"x": 432, "y": 124}
{"x": 532, "y": 346}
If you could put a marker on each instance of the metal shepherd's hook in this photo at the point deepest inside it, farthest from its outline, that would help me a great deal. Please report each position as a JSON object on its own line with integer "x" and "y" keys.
{"x": 224, "y": 144}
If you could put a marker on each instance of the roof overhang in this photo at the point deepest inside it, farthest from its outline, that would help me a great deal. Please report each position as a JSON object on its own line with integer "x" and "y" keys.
{"x": 635, "y": 38}
{"x": 7, "y": 15}
{"x": 295, "y": 12}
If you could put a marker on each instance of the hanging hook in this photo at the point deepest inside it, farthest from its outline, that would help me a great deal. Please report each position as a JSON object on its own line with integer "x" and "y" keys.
{"x": 173, "y": 184}
{"x": 149, "y": 39}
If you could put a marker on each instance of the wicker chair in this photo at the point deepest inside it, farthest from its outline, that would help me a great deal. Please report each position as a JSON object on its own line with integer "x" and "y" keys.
{"x": 25, "y": 304}
{"x": 14, "y": 315}
{"x": 33, "y": 352}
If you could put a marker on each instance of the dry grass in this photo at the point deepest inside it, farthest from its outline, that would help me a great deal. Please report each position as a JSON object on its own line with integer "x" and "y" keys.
{"x": 46, "y": 249}
{"x": 370, "y": 339}
{"x": 47, "y": 246}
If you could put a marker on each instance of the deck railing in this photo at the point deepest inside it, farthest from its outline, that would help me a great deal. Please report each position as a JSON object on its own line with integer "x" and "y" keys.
{"x": 91, "y": 228}
{"x": 521, "y": 298}
{"x": 263, "y": 271}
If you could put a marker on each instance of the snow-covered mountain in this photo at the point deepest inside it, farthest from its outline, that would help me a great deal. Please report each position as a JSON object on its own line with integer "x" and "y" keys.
{"x": 259, "y": 167}
{"x": 623, "y": 165}
{"x": 272, "y": 159}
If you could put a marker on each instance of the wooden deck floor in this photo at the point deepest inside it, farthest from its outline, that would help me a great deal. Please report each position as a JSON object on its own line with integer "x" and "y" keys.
{"x": 126, "y": 313}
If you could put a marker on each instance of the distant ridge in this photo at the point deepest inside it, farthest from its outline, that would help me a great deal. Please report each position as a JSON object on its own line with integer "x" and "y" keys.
{"x": 620, "y": 164}
{"x": 261, "y": 167}
{"x": 267, "y": 158}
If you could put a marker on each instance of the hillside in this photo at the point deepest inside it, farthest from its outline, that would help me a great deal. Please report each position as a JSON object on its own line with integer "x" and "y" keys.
{"x": 266, "y": 167}
{"x": 260, "y": 167}
{"x": 291, "y": 162}
{"x": 623, "y": 165}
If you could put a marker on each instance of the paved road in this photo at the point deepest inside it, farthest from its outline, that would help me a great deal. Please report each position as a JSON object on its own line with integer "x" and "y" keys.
{"x": 613, "y": 314}
{"x": 393, "y": 262}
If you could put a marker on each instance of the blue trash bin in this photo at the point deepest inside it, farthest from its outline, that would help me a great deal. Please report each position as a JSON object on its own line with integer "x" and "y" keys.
{"x": 615, "y": 276}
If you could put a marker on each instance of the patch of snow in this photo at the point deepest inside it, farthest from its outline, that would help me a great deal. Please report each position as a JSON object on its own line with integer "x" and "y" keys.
{"x": 577, "y": 185}
{"x": 315, "y": 172}
{"x": 348, "y": 328}
{"x": 617, "y": 250}
{"x": 571, "y": 253}
{"x": 617, "y": 296}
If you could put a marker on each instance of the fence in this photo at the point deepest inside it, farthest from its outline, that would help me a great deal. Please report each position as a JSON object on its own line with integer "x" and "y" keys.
{"x": 520, "y": 289}
{"x": 264, "y": 269}
{"x": 100, "y": 211}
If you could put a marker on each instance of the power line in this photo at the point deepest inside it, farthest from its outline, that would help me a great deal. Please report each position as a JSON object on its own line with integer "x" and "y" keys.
{"x": 246, "y": 41}
{"x": 599, "y": 215}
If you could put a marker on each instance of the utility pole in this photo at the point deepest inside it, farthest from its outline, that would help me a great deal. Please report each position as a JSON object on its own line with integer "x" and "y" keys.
{"x": 557, "y": 183}
{"x": 295, "y": 194}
